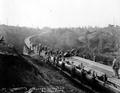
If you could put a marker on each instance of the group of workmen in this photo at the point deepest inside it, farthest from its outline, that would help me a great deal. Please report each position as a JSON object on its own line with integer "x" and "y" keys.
{"x": 58, "y": 54}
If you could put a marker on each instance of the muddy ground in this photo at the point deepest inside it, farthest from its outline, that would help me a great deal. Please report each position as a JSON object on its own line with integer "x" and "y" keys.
{"x": 28, "y": 75}
{"x": 56, "y": 80}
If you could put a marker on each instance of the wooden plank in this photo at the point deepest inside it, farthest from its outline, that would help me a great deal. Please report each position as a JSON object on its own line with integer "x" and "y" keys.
{"x": 115, "y": 81}
{"x": 96, "y": 66}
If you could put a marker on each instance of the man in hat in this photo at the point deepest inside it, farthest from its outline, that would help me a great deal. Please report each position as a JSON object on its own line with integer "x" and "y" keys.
{"x": 116, "y": 66}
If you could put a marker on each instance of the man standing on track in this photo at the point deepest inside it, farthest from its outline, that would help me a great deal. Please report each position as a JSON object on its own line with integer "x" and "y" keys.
{"x": 116, "y": 66}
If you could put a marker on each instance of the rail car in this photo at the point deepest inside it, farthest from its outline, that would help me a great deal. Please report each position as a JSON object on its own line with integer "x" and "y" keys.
{"x": 95, "y": 79}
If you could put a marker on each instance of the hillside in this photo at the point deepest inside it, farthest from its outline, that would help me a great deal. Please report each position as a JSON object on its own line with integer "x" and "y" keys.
{"x": 15, "y": 35}
{"x": 60, "y": 38}
{"x": 103, "y": 42}
{"x": 104, "y": 39}
{"x": 20, "y": 73}
{"x": 17, "y": 72}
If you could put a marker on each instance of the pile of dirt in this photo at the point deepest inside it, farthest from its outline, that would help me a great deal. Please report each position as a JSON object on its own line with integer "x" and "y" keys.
{"x": 16, "y": 71}
{"x": 55, "y": 79}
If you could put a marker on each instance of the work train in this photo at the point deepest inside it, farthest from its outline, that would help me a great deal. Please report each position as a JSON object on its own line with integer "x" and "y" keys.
{"x": 95, "y": 79}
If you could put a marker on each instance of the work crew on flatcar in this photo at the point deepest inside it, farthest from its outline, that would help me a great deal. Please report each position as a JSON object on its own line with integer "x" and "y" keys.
{"x": 116, "y": 66}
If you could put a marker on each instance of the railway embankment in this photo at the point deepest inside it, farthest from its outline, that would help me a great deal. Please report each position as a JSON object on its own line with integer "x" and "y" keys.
{"x": 22, "y": 73}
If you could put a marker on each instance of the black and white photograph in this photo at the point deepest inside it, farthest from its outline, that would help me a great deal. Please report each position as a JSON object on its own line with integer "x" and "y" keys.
{"x": 59, "y": 46}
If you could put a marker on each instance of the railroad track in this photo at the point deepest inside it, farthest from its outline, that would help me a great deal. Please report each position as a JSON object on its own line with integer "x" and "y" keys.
{"x": 80, "y": 84}
{"x": 77, "y": 83}
{"x": 74, "y": 81}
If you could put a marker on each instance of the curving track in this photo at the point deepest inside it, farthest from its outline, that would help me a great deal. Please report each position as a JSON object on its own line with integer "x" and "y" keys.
{"x": 78, "y": 60}
{"x": 99, "y": 68}
{"x": 27, "y": 40}
{"x": 75, "y": 82}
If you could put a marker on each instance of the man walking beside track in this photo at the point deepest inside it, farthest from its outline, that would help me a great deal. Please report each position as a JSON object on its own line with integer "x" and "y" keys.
{"x": 116, "y": 66}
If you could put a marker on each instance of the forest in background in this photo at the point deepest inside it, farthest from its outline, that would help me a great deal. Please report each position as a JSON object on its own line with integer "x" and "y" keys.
{"x": 90, "y": 40}
{"x": 101, "y": 42}
{"x": 97, "y": 40}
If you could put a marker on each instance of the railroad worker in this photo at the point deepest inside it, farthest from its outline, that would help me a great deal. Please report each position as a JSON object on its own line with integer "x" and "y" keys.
{"x": 73, "y": 69}
{"x": 54, "y": 59}
{"x": 83, "y": 55}
{"x": 63, "y": 58}
{"x": 63, "y": 65}
{"x": 39, "y": 52}
{"x": 116, "y": 66}
{"x": 47, "y": 59}
{"x": 81, "y": 66}
{"x": 94, "y": 58}
{"x": 57, "y": 60}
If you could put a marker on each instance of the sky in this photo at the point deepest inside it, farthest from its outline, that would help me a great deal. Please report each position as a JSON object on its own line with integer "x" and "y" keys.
{"x": 60, "y": 13}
